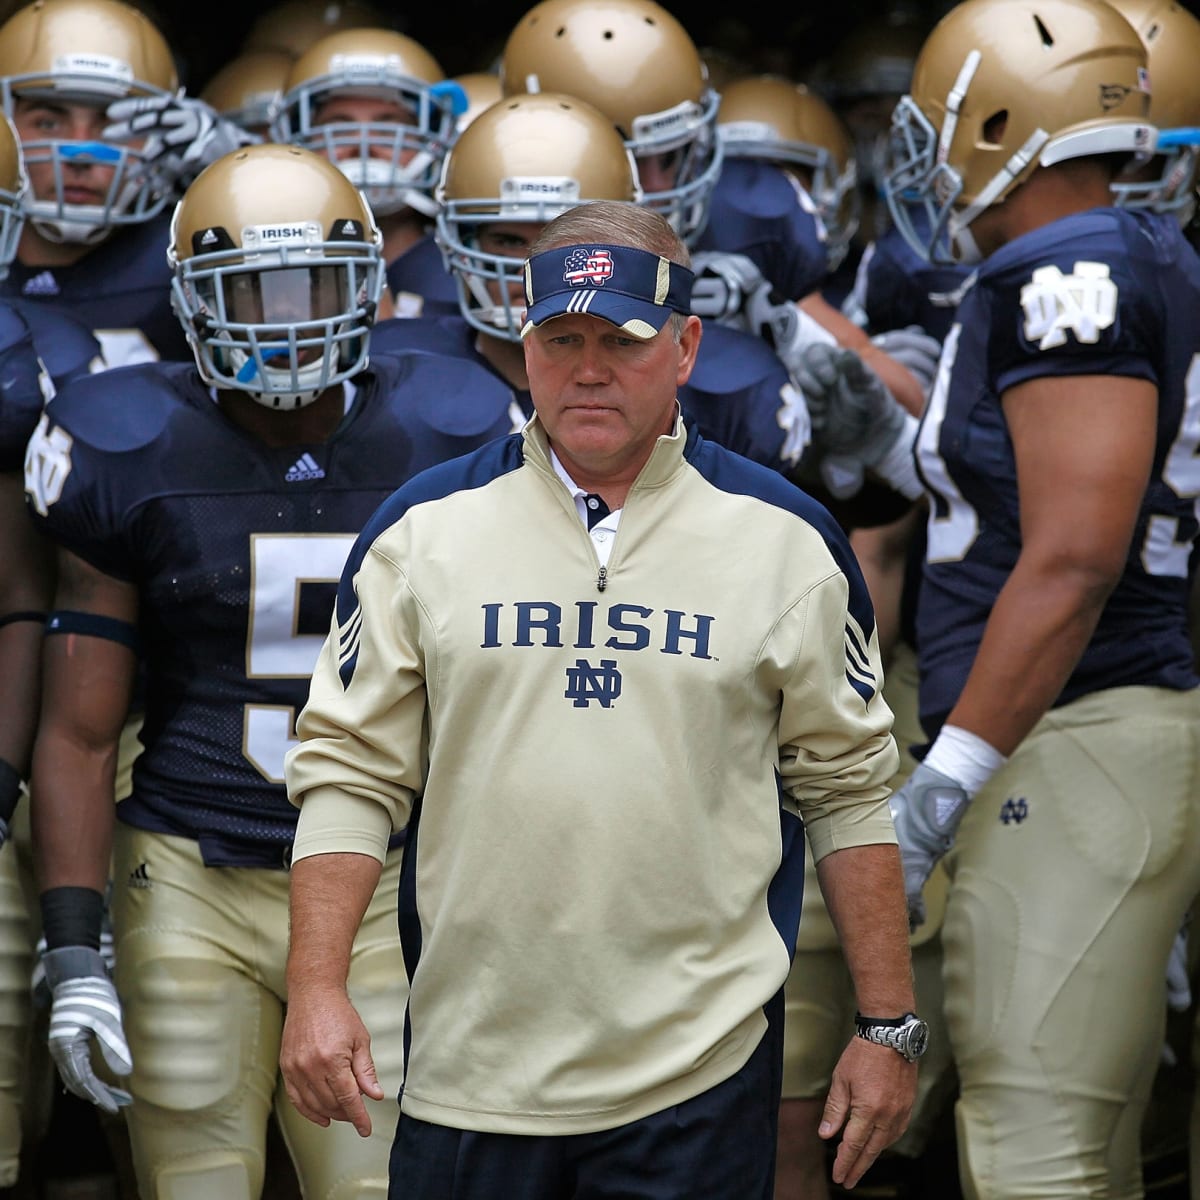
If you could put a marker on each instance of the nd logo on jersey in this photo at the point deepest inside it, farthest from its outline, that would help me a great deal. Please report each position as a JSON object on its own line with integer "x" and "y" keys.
{"x": 1083, "y": 303}
{"x": 47, "y": 465}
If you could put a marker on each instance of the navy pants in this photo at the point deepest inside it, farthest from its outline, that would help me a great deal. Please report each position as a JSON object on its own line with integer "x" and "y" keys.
{"x": 719, "y": 1145}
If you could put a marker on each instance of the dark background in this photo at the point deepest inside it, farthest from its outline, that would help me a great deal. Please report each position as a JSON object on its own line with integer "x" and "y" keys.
{"x": 466, "y": 35}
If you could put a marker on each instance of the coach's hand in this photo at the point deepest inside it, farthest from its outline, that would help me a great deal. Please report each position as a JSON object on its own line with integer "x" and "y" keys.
{"x": 84, "y": 1007}
{"x": 325, "y": 1058}
{"x": 870, "y": 1101}
{"x": 927, "y": 809}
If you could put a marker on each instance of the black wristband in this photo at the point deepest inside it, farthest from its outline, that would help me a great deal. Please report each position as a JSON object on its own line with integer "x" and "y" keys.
{"x": 71, "y": 916}
{"x": 10, "y": 790}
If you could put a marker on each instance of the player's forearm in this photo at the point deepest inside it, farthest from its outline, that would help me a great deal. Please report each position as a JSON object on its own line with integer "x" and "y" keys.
{"x": 73, "y": 810}
{"x": 1038, "y": 629}
{"x": 863, "y": 889}
{"x": 328, "y": 895}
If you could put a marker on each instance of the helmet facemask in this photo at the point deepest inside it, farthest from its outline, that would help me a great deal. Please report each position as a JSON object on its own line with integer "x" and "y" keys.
{"x": 689, "y": 131}
{"x": 136, "y": 192}
{"x": 282, "y": 320}
{"x": 395, "y": 165}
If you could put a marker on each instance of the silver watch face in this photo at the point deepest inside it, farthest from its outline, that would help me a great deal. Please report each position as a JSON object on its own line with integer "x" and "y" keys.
{"x": 914, "y": 1039}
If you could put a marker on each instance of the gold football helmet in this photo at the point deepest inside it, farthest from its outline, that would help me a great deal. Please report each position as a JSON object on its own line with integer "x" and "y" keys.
{"x": 1000, "y": 88}
{"x": 1172, "y": 38}
{"x": 395, "y": 162}
{"x": 86, "y": 52}
{"x": 246, "y": 89}
{"x": 524, "y": 159}
{"x": 295, "y": 25}
{"x": 777, "y": 120}
{"x": 278, "y": 271}
{"x": 482, "y": 89}
{"x": 634, "y": 61}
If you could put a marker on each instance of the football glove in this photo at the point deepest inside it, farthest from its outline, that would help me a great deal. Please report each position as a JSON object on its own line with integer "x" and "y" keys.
{"x": 84, "y": 1006}
{"x": 857, "y": 423}
{"x": 915, "y": 349}
{"x": 927, "y": 809}
{"x": 183, "y": 134}
{"x": 723, "y": 287}
{"x": 1179, "y": 986}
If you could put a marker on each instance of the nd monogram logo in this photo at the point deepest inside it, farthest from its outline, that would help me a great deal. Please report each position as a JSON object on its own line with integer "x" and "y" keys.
{"x": 586, "y": 683}
{"x": 1014, "y": 810}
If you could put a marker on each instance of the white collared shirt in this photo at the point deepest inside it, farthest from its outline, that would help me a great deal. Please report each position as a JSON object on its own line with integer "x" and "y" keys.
{"x": 603, "y": 531}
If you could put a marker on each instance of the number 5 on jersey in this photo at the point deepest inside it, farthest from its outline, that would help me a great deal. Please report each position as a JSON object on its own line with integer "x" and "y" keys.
{"x": 278, "y": 645}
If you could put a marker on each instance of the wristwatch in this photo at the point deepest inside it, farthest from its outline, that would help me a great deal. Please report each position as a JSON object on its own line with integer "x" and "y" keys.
{"x": 907, "y": 1035}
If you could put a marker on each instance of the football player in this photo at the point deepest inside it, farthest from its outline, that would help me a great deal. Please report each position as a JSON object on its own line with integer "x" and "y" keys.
{"x": 107, "y": 138}
{"x": 202, "y": 513}
{"x": 39, "y": 348}
{"x": 376, "y": 103}
{"x": 246, "y": 89}
{"x": 517, "y": 165}
{"x": 637, "y": 64}
{"x": 1057, "y": 677}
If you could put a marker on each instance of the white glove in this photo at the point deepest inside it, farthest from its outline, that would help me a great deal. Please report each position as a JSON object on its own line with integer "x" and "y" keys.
{"x": 1179, "y": 987}
{"x": 85, "y": 1006}
{"x": 183, "y": 134}
{"x": 723, "y": 287}
{"x": 926, "y": 808}
{"x": 856, "y": 422}
{"x": 913, "y": 348}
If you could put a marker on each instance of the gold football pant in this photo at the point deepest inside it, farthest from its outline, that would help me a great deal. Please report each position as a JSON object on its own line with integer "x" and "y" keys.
{"x": 1069, "y": 878}
{"x": 201, "y": 955}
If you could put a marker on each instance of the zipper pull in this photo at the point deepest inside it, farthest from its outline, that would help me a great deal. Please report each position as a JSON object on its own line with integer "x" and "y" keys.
{"x": 602, "y": 579}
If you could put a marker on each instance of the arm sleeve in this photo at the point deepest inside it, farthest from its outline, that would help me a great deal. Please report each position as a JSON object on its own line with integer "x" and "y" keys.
{"x": 837, "y": 753}
{"x": 363, "y": 733}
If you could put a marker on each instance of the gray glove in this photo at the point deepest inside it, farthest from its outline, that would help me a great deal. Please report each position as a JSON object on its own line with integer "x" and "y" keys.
{"x": 856, "y": 421}
{"x": 1179, "y": 986}
{"x": 85, "y": 1006}
{"x": 926, "y": 808}
{"x": 183, "y": 134}
{"x": 723, "y": 287}
{"x": 915, "y": 349}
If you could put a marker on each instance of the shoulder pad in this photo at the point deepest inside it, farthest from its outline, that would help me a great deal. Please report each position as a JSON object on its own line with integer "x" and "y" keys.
{"x": 450, "y": 394}
{"x": 14, "y": 329}
{"x": 440, "y": 335}
{"x": 121, "y": 409}
{"x": 66, "y": 345}
{"x": 731, "y": 361}
{"x": 757, "y": 189}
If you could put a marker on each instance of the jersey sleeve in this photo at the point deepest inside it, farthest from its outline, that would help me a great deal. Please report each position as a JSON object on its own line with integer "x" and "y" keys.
{"x": 1075, "y": 310}
{"x": 81, "y": 492}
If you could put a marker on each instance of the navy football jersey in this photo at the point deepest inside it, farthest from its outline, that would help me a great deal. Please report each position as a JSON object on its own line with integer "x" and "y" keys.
{"x": 739, "y": 394}
{"x": 235, "y": 548}
{"x": 24, "y": 387}
{"x": 419, "y": 282}
{"x": 895, "y": 287}
{"x": 761, "y": 211}
{"x": 1106, "y": 292}
{"x": 40, "y": 351}
{"x": 120, "y": 289}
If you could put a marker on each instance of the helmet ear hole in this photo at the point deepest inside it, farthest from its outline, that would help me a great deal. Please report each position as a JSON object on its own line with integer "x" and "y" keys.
{"x": 994, "y": 128}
